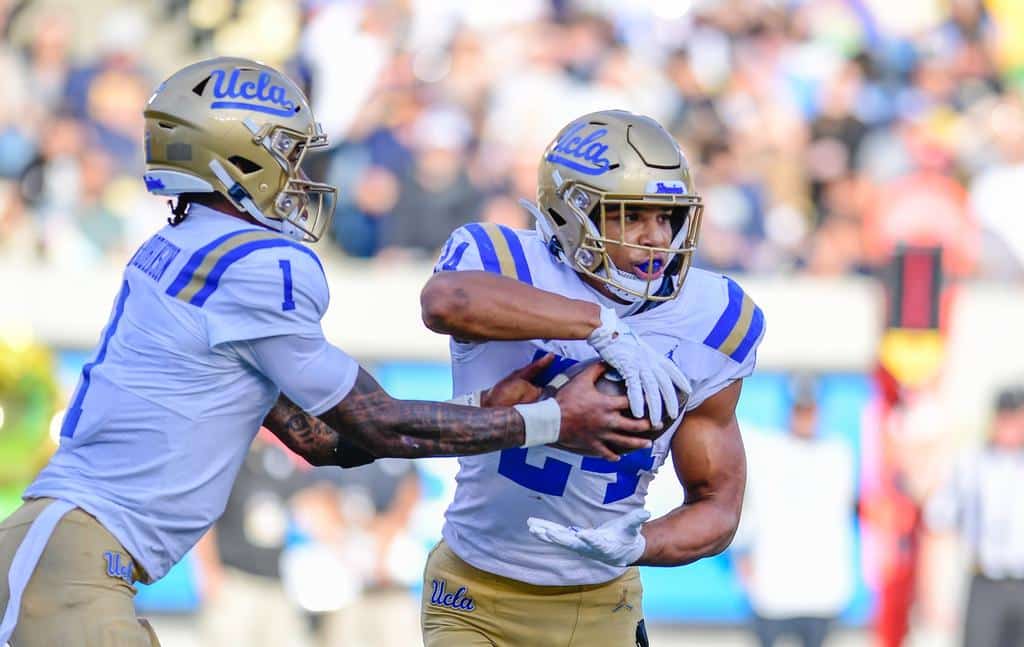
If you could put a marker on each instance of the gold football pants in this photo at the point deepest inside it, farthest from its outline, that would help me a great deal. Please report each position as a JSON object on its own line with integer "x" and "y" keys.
{"x": 80, "y": 592}
{"x": 466, "y": 607}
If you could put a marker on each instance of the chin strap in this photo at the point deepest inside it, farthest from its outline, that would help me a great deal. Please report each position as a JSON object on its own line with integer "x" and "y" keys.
{"x": 547, "y": 234}
{"x": 541, "y": 224}
{"x": 238, "y": 193}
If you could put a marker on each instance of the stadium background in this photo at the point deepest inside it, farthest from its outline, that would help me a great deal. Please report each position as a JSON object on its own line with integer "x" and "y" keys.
{"x": 823, "y": 133}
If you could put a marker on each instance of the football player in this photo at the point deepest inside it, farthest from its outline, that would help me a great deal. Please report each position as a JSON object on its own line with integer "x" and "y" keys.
{"x": 617, "y": 219}
{"x": 217, "y": 314}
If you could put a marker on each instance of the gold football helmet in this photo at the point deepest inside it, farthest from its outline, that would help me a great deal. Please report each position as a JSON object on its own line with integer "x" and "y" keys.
{"x": 597, "y": 167}
{"x": 239, "y": 128}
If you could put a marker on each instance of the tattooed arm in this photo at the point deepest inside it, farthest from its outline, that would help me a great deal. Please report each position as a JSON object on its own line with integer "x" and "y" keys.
{"x": 311, "y": 438}
{"x": 370, "y": 423}
{"x": 381, "y": 426}
{"x": 319, "y": 444}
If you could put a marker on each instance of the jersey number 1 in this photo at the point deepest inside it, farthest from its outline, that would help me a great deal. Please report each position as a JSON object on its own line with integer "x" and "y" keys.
{"x": 286, "y": 270}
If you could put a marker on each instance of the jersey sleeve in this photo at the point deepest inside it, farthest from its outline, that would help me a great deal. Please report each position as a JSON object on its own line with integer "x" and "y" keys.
{"x": 485, "y": 247}
{"x": 732, "y": 339}
{"x": 271, "y": 291}
{"x": 312, "y": 372}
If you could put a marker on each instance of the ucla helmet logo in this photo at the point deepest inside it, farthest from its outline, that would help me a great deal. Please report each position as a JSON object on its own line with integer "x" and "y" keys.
{"x": 581, "y": 148}
{"x": 260, "y": 95}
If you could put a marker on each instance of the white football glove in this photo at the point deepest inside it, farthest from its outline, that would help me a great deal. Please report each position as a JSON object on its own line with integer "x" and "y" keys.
{"x": 649, "y": 375}
{"x": 618, "y": 542}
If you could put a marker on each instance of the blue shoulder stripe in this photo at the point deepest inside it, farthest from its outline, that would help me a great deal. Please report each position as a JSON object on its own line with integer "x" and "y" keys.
{"x": 729, "y": 317}
{"x": 194, "y": 261}
{"x": 501, "y": 252}
{"x": 756, "y": 328}
{"x": 515, "y": 247}
{"x": 739, "y": 327}
{"x": 238, "y": 253}
{"x": 488, "y": 255}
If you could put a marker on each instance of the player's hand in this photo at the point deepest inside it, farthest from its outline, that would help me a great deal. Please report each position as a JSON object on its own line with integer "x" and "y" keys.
{"x": 649, "y": 375}
{"x": 592, "y": 422}
{"x": 618, "y": 542}
{"x": 518, "y": 386}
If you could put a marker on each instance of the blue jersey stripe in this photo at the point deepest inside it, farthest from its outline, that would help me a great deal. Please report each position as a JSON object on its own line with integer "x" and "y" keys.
{"x": 240, "y": 252}
{"x": 729, "y": 318}
{"x": 194, "y": 261}
{"x": 67, "y": 428}
{"x": 488, "y": 255}
{"x": 518, "y": 255}
{"x": 756, "y": 327}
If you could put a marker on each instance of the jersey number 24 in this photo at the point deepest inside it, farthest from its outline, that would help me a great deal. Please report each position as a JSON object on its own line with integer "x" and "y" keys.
{"x": 552, "y": 477}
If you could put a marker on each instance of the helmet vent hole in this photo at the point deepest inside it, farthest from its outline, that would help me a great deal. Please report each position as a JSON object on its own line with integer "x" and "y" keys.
{"x": 244, "y": 165}
{"x": 201, "y": 86}
{"x": 165, "y": 125}
{"x": 557, "y": 218}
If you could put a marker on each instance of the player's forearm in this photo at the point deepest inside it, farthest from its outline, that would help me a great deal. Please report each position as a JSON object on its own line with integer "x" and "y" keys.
{"x": 394, "y": 429}
{"x": 478, "y": 306}
{"x": 304, "y": 434}
{"x": 386, "y": 427}
{"x": 688, "y": 533}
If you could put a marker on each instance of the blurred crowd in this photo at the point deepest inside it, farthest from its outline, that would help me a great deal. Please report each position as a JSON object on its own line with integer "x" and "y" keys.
{"x": 821, "y": 131}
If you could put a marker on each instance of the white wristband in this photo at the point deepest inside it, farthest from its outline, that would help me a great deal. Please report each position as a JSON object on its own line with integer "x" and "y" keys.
{"x": 471, "y": 399}
{"x": 542, "y": 421}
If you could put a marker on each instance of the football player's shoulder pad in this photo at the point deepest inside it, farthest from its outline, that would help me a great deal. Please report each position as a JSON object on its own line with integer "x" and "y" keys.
{"x": 267, "y": 284}
{"x": 721, "y": 316}
{"x": 488, "y": 247}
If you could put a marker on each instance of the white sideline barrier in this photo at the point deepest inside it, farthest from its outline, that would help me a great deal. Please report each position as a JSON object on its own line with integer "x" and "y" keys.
{"x": 813, "y": 324}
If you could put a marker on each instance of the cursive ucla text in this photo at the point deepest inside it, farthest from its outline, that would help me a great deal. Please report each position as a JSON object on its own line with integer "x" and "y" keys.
{"x": 581, "y": 153}
{"x": 458, "y": 600}
{"x": 117, "y": 569}
{"x": 260, "y": 95}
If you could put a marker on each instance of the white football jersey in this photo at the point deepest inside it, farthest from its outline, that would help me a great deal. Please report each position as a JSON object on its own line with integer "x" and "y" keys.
{"x": 711, "y": 331}
{"x": 164, "y": 412}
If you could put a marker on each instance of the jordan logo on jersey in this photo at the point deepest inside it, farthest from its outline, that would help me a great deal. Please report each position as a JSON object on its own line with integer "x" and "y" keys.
{"x": 458, "y": 600}
{"x": 115, "y": 568}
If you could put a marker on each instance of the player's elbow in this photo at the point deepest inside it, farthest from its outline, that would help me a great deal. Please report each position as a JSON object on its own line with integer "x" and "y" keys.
{"x": 441, "y": 304}
{"x": 728, "y": 523}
